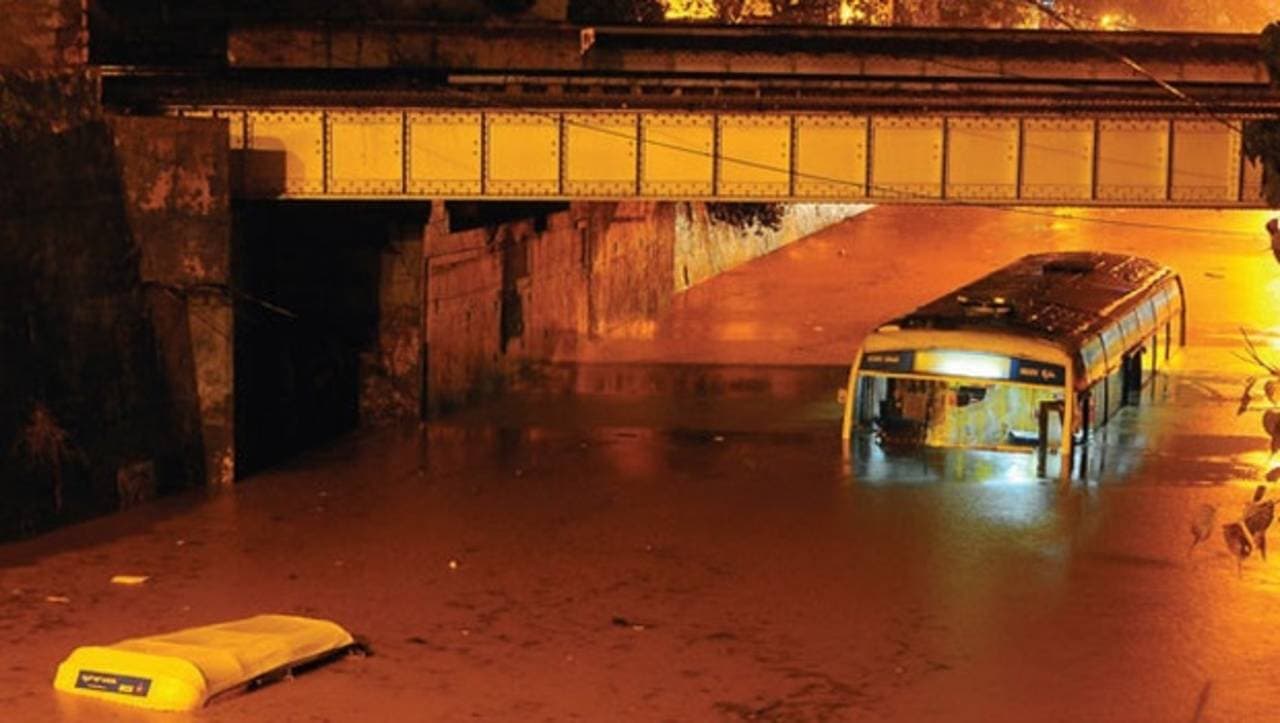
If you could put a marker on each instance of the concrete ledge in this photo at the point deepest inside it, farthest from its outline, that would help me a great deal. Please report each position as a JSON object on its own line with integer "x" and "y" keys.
{"x": 683, "y": 380}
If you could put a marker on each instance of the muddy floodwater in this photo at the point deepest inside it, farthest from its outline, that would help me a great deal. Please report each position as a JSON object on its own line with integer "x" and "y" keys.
{"x": 721, "y": 557}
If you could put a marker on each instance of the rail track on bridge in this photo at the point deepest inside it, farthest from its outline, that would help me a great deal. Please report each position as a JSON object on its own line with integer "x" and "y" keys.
{"x": 557, "y": 113}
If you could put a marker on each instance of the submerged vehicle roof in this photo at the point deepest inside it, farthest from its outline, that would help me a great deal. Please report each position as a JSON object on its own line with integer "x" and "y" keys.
{"x": 1062, "y": 296}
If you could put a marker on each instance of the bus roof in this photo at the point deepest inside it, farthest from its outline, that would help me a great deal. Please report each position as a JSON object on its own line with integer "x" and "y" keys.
{"x": 1064, "y": 297}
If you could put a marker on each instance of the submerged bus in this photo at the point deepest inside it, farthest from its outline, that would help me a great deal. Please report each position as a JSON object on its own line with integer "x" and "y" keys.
{"x": 1050, "y": 342}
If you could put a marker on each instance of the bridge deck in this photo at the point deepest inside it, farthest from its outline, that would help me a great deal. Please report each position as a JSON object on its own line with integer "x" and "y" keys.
{"x": 744, "y": 114}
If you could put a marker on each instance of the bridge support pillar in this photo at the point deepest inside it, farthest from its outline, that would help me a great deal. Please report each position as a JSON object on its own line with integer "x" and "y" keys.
{"x": 391, "y": 378}
{"x": 174, "y": 176}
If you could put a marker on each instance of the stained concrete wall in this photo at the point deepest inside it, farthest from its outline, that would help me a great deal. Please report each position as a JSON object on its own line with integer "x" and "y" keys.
{"x": 506, "y": 300}
{"x": 81, "y": 397}
{"x": 514, "y": 305}
{"x": 43, "y": 33}
{"x": 464, "y": 297}
{"x": 633, "y": 256}
{"x": 103, "y": 389}
{"x": 554, "y": 294}
{"x": 391, "y": 371}
{"x": 174, "y": 177}
{"x": 37, "y": 103}
{"x": 706, "y": 247}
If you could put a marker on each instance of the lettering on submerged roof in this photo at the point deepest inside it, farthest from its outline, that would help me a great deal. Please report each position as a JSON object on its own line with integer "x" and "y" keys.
{"x": 113, "y": 683}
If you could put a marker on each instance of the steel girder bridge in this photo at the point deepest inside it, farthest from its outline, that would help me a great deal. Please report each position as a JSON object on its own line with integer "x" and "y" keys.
{"x": 812, "y": 115}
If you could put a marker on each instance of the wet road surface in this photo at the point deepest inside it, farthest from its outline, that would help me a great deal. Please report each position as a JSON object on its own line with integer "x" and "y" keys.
{"x": 719, "y": 558}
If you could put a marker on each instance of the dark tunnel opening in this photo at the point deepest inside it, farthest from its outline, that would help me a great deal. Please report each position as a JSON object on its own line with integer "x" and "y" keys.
{"x": 308, "y": 277}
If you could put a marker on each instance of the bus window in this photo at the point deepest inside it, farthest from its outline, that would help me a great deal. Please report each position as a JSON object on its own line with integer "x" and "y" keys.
{"x": 1146, "y": 319}
{"x": 1176, "y": 307}
{"x": 1163, "y": 304}
{"x": 1175, "y": 325}
{"x": 1093, "y": 358}
{"x": 871, "y": 391}
{"x": 1091, "y": 406}
{"x": 1115, "y": 391}
{"x": 1113, "y": 345}
{"x": 1133, "y": 376}
{"x": 953, "y": 413}
{"x": 1129, "y": 328}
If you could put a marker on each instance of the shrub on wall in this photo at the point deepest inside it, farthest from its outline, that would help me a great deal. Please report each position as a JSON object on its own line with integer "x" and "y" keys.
{"x": 747, "y": 216}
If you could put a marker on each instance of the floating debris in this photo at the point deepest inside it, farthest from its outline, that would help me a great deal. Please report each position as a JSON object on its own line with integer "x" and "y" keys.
{"x": 1246, "y": 397}
{"x": 1258, "y": 516}
{"x": 622, "y": 622}
{"x": 1202, "y": 525}
{"x": 1238, "y": 544}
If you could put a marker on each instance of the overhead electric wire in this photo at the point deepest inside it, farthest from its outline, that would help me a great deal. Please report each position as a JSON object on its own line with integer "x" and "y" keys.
{"x": 899, "y": 193}
{"x": 1135, "y": 66}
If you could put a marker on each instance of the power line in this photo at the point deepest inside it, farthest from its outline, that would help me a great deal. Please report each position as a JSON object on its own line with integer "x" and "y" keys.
{"x": 649, "y": 140}
{"x": 1134, "y": 65}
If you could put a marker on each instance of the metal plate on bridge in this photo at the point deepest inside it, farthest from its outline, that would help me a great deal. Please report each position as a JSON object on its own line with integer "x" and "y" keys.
{"x": 906, "y": 158}
{"x": 600, "y": 154}
{"x": 1206, "y": 162}
{"x": 754, "y": 156}
{"x": 522, "y": 154}
{"x": 1057, "y": 159}
{"x": 366, "y": 154}
{"x": 444, "y": 153}
{"x": 678, "y": 154}
{"x": 1133, "y": 160}
{"x": 831, "y": 156}
{"x": 982, "y": 158}
{"x": 286, "y": 153}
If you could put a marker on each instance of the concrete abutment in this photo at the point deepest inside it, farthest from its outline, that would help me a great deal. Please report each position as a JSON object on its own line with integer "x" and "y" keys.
{"x": 531, "y": 305}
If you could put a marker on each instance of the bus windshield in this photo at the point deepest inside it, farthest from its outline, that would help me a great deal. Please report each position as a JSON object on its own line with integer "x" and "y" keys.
{"x": 938, "y": 412}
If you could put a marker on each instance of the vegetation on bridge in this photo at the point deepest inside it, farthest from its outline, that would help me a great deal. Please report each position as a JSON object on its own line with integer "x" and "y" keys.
{"x": 1238, "y": 16}
{"x": 1262, "y": 137}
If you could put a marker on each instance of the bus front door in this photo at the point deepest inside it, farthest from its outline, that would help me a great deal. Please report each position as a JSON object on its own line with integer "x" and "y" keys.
{"x": 1051, "y": 417}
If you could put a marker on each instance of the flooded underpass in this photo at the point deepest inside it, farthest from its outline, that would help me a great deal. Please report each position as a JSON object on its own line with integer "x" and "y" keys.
{"x": 720, "y": 556}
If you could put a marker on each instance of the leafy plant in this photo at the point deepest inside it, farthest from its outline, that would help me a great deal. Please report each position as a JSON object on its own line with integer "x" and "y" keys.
{"x": 591, "y": 12}
{"x": 747, "y": 216}
{"x": 1271, "y": 51}
{"x": 1262, "y": 137}
{"x": 1270, "y": 394}
{"x": 46, "y": 444}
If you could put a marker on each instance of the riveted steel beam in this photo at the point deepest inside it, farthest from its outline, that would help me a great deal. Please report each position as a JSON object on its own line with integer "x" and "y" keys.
{"x": 534, "y": 154}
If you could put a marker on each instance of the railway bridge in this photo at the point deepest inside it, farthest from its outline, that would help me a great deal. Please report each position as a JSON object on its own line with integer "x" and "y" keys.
{"x": 885, "y": 115}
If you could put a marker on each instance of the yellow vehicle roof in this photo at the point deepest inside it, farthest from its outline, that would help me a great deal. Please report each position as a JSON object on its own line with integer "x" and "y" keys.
{"x": 184, "y": 669}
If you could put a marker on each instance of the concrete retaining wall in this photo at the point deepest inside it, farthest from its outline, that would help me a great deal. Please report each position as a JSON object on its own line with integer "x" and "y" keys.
{"x": 706, "y": 247}
{"x": 174, "y": 178}
{"x": 513, "y": 306}
{"x": 114, "y": 322}
{"x": 43, "y": 33}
